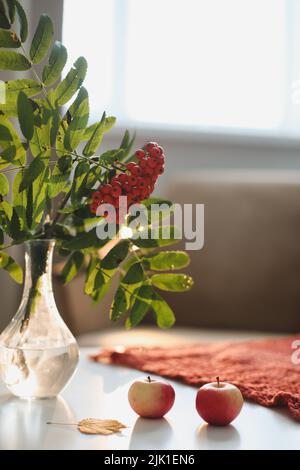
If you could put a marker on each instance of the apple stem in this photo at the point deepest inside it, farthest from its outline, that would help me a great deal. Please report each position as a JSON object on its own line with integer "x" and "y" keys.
{"x": 218, "y": 380}
{"x": 149, "y": 378}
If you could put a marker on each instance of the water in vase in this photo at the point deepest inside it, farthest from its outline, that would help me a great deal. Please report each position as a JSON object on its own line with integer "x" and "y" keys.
{"x": 38, "y": 353}
{"x": 37, "y": 373}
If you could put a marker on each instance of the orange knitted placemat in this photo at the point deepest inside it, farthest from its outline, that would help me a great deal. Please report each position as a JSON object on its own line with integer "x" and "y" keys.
{"x": 263, "y": 370}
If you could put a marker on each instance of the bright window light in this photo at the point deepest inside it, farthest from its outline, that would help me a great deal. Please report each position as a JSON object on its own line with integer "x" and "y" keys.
{"x": 88, "y": 32}
{"x": 206, "y": 62}
{"x": 188, "y": 63}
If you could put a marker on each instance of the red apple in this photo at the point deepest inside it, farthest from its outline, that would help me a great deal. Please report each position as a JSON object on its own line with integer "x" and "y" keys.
{"x": 219, "y": 403}
{"x": 151, "y": 398}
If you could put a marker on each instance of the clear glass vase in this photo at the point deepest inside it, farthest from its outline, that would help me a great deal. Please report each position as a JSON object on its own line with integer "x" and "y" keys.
{"x": 38, "y": 353}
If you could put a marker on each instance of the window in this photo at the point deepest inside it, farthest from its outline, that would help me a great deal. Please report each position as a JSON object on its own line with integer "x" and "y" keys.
{"x": 190, "y": 63}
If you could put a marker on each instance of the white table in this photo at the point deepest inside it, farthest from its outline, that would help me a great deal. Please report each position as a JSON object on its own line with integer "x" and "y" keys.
{"x": 101, "y": 391}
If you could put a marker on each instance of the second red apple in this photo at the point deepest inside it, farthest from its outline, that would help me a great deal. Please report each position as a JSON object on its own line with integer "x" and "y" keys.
{"x": 219, "y": 403}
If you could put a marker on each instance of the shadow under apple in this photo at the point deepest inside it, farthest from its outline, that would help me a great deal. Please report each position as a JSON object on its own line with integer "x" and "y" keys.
{"x": 151, "y": 434}
{"x": 218, "y": 436}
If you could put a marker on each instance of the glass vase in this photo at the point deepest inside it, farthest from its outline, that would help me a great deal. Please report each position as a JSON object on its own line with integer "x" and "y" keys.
{"x": 38, "y": 353}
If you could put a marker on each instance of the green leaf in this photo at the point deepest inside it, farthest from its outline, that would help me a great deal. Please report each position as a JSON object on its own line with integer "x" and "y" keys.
{"x": 9, "y": 138}
{"x": 4, "y": 23}
{"x": 125, "y": 140}
{"x": 8, "y": 39}
{"x": 41, "y": 140}
{"x": 15, "y": 229}
{"x": 100, "y": 293}
{"x": 65, "y": 163}
{"x": 42, "y": 39}
{"x": 40, "y": 195}
{"x": 159, "y": 237}
{"x": 99, "y": 280}
{"x": 127, "y": 144}
{"x": 1, "y": 236}
{"x": 72, "y": 266}
{"x": 90, "y": 278}
{"x": 109, "y": 123}
{"x": 4, "y": 185}
{"x": 134, "y": 275}
{"x": 35, "y": 168}
{"x": 141, "y": 306}
{"x": 28, "y": 86}
{"x": 10, "y": 265}
{"x": 57, "y": 61}
{"x": 29, "y": 207}
{"x": 25, "y": 115}
{"x": 119, "y": 305}
{"x": 8, "y": 109}
{"x": 111, "y": 155}
{"x": 157, "y": 201}
{"x": 59, "y": 180}
{"x": 72, "y": 82}
{"x": 115, "y": 256}
{"x": 19, "y": 199}
{"x": 10, "y": 60}
{"x": 81, "y": 171}
{"x": 22, "y": 20}
{"x": 167, "y": 260}
{"x": 80, "y": 116}
{"x": 11, "y": 7}
{"x": 165, "y": 317}
{"x": 96, "y": 138}
{"x": 7, "y": 209}
{"x": 84, "y": 240}
{"x": 90, "y": 222}
{"x": 59, "y": 140}
{"x": 172, "y": 282}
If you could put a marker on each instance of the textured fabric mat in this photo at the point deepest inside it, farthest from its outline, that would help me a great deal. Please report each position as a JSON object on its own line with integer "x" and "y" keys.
{"x": 263, "y": 370}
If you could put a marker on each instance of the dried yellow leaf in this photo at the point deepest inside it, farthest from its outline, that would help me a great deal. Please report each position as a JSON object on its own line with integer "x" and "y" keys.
{"x": 96, "y": 426}
{"x": 99, "y": 426}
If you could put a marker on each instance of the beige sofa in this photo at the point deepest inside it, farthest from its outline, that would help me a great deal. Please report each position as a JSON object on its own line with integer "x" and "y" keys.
{"x": 247, "y": 276}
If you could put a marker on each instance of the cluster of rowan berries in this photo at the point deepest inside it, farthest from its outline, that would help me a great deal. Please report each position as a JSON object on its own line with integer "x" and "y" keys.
{"x": 136, "y": 182}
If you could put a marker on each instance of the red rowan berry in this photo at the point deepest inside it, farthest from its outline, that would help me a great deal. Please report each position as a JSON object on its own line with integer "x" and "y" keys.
{"x": 122, "y": 177}
{"x": 141, "y": 183}
{"x": 116, "y": 190}
{"x": 155, "y": 152}
{"x": 136, "y": 171}
{"x": 127, "y": 186}
{"x": 97, "y": 196}
{"x": 106, "y": 189}
{"x": 148, "y": 171}
{"x": 143, "y": 163}
{"x": 139, "y": 154}
{"x": 115, "y": 180}
{"x": 151, "y": 163}
{"x": 132, "y": 180}
{"x": 115, "y": 202}
{"x": 161, "y": 150}
{"x": 135, "y": 192}
{"x": 150, "y": 145}
{"x": 130, "y": 165}
{"x": 108, "y": 199}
